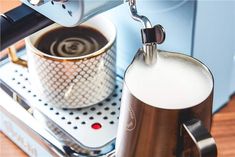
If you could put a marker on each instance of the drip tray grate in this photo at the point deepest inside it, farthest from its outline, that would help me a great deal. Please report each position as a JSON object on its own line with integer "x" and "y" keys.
{"x": 91, "y": 127}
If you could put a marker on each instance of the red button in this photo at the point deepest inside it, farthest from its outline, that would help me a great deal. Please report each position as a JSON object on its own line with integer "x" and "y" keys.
{"x": 96, "y": 126}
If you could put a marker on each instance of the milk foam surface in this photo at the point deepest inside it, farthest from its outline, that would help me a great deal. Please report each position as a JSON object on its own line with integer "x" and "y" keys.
{"x": 174, "y": 82}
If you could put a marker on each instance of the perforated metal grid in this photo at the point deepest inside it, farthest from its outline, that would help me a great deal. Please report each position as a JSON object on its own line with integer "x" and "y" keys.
{"x": 93, "y": 127}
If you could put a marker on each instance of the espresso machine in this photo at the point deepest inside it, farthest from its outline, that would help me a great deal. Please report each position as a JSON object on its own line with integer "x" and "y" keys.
{"x": 196, "y": 28}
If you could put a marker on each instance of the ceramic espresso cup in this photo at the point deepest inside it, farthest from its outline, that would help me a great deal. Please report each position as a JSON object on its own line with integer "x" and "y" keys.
{"x": 74, "y": 82}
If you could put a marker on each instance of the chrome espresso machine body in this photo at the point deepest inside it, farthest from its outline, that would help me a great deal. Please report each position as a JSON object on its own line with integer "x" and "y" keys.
{"x": 202, "y": 29}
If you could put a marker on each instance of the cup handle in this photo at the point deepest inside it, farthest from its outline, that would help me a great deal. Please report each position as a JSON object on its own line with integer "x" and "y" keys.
{"x": 14, "y": 58}
{"x": 205, "y": 143}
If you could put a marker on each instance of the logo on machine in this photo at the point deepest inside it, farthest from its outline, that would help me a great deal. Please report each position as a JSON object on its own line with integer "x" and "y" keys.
{"x": 20, "y": 140}
{"x": 131, "y": 124}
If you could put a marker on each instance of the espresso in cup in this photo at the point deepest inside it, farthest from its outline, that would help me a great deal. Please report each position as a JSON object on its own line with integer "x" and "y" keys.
{"x": 71, "y": 42}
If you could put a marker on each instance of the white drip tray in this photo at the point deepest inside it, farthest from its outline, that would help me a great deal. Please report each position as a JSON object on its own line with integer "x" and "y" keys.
{"x": 84, "y": 129}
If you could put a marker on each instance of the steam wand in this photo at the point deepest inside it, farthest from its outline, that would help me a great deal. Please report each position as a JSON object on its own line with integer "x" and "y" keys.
{"x": 151, "y": 36}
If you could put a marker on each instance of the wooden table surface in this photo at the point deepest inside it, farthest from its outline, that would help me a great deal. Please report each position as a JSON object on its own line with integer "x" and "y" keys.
{"x": 223, "y": 128}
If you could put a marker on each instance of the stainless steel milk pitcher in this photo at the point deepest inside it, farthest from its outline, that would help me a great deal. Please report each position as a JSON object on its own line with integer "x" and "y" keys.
{"x": 151, "y": 130}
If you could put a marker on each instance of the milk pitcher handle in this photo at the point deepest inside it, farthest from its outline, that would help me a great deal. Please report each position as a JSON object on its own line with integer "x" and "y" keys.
{"x": 201, "y": 137}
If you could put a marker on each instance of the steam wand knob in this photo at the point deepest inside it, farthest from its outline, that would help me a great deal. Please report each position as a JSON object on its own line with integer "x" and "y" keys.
{"x": 151, "y": 36}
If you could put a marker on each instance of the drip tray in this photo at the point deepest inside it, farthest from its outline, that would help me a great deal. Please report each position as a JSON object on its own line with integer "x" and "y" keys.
{"x": 89, "y": 131}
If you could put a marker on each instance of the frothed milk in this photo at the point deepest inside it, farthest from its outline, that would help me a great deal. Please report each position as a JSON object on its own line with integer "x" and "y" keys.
{"x": 176, "y": 81}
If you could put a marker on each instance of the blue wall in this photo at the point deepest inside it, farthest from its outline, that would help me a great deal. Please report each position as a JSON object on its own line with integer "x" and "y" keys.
{"x": 214, "y": 44}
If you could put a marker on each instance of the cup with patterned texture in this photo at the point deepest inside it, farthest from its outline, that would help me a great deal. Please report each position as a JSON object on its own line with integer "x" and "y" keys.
{"x": 73, "y": 67}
